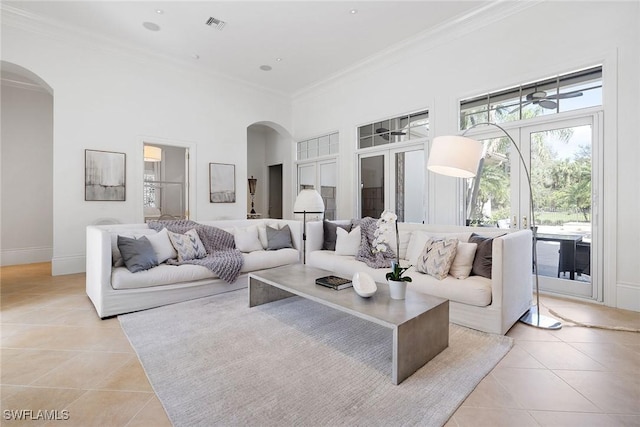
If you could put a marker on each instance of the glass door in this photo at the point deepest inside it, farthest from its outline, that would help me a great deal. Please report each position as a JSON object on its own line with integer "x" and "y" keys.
{"x": 563, "y": 180}
{"x": 393, "y": 180}
{"x": 560, "y": 156}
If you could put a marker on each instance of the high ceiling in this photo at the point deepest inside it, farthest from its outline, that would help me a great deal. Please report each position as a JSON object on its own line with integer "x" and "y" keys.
{"x": 304, "y": 42}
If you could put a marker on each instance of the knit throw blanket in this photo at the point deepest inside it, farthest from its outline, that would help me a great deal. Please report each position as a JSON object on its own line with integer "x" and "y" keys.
{"x": 365, "y": 253}
{"x": 222, "y": 258}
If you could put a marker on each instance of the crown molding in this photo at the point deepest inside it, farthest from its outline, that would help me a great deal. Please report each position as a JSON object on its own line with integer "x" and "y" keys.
{"x": 463, "y": 24}
{"x": 45, "y": 27}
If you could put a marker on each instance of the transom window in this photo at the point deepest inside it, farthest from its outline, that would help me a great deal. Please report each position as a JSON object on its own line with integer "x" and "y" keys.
{"x": 318, "y": 147}
{"x": 398, "y": 129}
{"x": 564, "y": 92}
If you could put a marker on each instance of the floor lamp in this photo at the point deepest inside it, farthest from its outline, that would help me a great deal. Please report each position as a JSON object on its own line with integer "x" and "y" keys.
{"x": 459, "y": 156}
{"x": 308, "y": 202}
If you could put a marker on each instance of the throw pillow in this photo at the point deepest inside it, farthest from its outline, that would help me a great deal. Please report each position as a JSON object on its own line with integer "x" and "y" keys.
{"x": 137, "y": 254}
{"x": 437, "y": 256}
{"x": 483, "y": 260}
{"x": 247, "y": 239}
{"x": 278, "y": 239}
{"x": 463, "y": 261}
{"x": 162, "y": 246}
{"x": 347, "y": 243}
{"x": 330, "y": 234}
{"x": 188, "y": 245}
{"x": 262, "y": 232}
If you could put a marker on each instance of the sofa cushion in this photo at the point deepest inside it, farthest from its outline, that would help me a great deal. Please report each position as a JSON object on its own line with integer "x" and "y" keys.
{"x": 437, "y": 256}
{"x": 162, "y": 245}
{"x": 188, "y": 245}
{"x": 278, "y": 238}
{"x": 348, "y": 243}
{"x": 137, "y": 254}
{"x": 483, "y": 260}
{"x": 330, "y": 234}
{"x": 247, "y": 239}
{"x": 260, "y": 260}
{"x": 463, "y": 261}
{"x": 164, "y": 274}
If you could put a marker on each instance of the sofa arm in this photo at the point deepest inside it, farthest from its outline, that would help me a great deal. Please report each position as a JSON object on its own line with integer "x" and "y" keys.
{"x": 98, "y": 265}
{"x": 512, "y": 273}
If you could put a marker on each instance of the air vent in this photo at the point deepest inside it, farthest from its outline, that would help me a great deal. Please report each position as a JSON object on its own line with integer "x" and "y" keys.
{"x": 216, "y": 23}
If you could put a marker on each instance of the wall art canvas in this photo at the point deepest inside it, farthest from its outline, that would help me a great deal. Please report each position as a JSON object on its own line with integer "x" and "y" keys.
{"x": 104, "y": 176}
{"x": 222, "y": 183}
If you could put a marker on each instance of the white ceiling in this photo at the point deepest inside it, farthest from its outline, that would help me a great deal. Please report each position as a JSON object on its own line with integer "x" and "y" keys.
{"x": 315, "y": 39}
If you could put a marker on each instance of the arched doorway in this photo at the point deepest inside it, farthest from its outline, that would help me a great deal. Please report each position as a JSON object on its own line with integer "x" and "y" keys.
{"x": 27, "y": 166}
{"x": 269, "y": 162}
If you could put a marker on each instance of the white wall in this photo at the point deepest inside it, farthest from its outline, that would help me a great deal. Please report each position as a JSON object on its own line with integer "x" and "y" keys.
{"x": 107, "y": 98}
{"x": 27, "y": 168}
{"x": 482, "y": 56}
{"x": 256, "y": 166}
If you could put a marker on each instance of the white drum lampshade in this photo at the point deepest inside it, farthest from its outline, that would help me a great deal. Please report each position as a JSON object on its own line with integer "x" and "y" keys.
{"x": 152, "y": 154}
{"x": 454, "y": 155}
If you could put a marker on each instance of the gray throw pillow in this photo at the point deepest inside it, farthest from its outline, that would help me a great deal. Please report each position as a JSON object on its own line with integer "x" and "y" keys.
{"x": 137, "y": 254}
{"x": 278, "y": 239}
{"x": 330, "y": 234}
{"x": 483, "y": 261}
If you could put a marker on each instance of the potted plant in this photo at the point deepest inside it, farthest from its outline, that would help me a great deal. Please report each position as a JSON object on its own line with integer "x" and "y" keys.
{"x": 397, "y": 282}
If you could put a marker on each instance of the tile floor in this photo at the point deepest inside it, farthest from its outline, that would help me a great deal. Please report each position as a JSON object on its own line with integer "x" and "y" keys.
{"x": 56, "y": 354}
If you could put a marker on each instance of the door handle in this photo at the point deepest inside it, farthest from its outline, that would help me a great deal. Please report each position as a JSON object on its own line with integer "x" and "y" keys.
{"x": 514, "y": 224}
{"x": 524, "y": 222}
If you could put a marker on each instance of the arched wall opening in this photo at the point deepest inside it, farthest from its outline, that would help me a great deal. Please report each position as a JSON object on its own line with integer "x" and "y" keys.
{"x": 269, "y": 155}
{"x": 26, "y": 192}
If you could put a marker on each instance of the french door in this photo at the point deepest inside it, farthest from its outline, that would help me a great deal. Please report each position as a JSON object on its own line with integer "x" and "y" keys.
{"x": 321, "y": 175}
{"x": 393, "y": 180}
{"x": 562, "y": 157}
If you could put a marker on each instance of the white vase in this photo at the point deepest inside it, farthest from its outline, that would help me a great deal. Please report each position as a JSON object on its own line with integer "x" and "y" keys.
{"x": 397, "y": 289}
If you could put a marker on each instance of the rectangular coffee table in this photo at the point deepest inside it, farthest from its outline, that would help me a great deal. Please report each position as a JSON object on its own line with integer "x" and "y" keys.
{"x": 420, "y": 323}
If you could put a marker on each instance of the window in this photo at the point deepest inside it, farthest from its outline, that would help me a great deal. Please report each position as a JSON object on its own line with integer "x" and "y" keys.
{"x": 318, "y": 147}
{"x": 398, "y": 129}
{"x": 565, "y": 92}
{"x": 320, "y": 174}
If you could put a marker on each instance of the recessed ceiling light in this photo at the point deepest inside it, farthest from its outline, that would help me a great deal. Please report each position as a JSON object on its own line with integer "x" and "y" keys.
{"x": 159, "y": 11}
{"x": 265, "y": 67}
{"x": 278, "y": 59}
{"x": 195, "y": 56}
{"x": 151, "y": 26}
{"x": 353, "y": 11}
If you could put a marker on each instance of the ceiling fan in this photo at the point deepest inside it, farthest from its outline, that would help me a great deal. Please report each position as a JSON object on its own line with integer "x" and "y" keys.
{"x": 384, "y": 133}
{"x": 540, "y": 97}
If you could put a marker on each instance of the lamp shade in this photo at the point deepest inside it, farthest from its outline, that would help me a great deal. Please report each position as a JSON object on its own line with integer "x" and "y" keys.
{"x": 455, "y": 156}
{"x": 309, "y": 201}
{"x": 152, "y": 154}
{"x": 252, "y": 185}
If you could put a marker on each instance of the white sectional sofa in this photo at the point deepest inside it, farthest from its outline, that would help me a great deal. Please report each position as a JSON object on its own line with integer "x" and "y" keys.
{"x": 490, "y": 305}
{"x": 115, "y": 290}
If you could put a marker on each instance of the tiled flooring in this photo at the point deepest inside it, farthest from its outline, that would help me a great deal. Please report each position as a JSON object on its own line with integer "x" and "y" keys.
{"x": 56, "y": 354}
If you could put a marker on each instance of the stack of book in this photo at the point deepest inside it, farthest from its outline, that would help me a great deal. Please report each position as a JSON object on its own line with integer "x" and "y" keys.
{"x": 334, "y": 282}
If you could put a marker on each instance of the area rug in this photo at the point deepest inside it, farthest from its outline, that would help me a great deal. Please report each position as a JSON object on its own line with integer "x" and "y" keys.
{"x": 215, "y": 361}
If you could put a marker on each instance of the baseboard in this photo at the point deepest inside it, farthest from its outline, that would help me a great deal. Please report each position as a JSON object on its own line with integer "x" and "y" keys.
{"x": 628, "y": 296}
{"x": 25, "y": 256}
{"x": 68, "y": 265}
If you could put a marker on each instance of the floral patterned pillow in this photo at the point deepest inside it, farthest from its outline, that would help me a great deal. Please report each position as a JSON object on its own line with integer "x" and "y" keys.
{"x": 437, "y": 256}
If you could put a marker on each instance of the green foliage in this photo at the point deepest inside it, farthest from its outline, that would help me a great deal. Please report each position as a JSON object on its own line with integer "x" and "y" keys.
{"x": 397, "y": 272}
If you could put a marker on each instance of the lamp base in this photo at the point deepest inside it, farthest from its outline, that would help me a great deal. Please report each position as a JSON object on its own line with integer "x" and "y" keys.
{"x": 535, "y": 319}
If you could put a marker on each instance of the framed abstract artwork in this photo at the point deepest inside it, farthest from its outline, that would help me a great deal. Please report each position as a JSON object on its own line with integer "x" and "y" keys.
{"x": 222, "y": 183}
{"x": 104, "y": 176}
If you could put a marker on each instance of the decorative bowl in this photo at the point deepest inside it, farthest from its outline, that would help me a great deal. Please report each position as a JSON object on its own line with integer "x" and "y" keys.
{"x": 364, "y": 285}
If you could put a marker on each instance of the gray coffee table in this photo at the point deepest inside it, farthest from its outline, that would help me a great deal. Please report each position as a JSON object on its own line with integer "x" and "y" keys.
{"x": 420, "y": 323}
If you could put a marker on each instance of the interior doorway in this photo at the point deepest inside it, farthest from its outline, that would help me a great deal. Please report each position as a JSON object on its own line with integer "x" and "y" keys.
{"x": 275, "y": 191}
{"x": 165, "y": 181}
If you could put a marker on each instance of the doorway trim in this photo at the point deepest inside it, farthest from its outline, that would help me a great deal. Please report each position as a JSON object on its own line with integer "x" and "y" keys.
{"x": 191, "y": 184}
